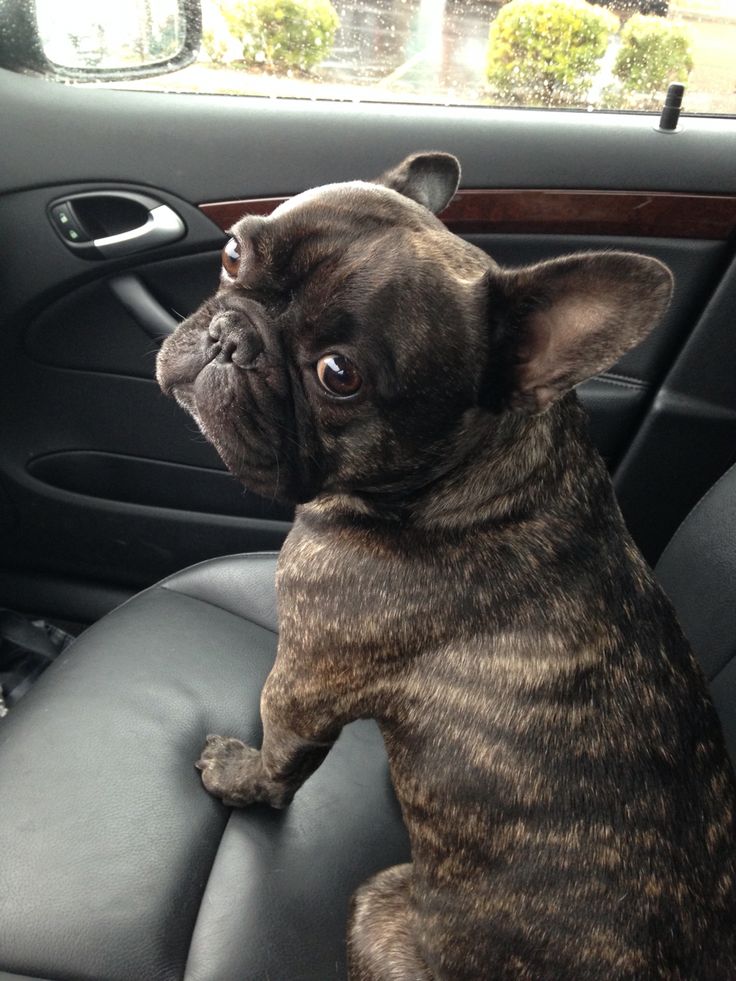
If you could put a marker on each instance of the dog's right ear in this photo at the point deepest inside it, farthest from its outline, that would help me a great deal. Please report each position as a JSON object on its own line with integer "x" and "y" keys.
{"x": 565, "y": 320}
{"x": 430, "y": 179}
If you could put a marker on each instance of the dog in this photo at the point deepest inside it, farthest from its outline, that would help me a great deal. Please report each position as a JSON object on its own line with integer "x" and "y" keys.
{"x": 458, "y": 570}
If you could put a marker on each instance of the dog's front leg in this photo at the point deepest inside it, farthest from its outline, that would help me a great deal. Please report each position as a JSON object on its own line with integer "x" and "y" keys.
{"x": 241, "y": 775}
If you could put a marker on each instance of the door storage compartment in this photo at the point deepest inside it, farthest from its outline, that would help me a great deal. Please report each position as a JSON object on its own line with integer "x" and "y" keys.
{"x": 152, "y": 483}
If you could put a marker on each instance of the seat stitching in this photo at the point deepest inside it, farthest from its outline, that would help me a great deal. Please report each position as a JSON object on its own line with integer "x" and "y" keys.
{"x": 217, "y": 606}
{"x": 217, "y": 559}
{"x": 203, "y": 894}
{"x": 623, "y": 382}
{"x": 721, "y": 669}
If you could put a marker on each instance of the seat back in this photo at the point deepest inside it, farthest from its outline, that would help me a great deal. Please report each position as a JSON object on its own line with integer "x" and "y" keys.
{"x": 698, "y": 573}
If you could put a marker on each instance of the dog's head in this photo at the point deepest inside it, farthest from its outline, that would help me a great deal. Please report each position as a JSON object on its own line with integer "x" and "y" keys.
{"x": 353, "y": 336}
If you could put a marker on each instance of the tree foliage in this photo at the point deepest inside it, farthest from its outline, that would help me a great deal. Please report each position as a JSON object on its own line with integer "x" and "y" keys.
{"x": 546, "y": 52}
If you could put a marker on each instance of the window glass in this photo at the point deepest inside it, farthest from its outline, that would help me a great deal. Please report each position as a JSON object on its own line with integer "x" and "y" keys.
{"x": 609, "y": 54}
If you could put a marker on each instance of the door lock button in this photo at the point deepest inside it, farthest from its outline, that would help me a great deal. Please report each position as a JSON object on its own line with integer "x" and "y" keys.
{"x": 67, "y": 225}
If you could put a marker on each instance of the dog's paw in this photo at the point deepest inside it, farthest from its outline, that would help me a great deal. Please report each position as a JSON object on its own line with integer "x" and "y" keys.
{"x": 234, "y": 772}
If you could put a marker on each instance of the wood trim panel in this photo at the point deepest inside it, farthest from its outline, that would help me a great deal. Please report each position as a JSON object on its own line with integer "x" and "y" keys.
{"x": 226, "y": 213}
{"x": 553, "y": 212}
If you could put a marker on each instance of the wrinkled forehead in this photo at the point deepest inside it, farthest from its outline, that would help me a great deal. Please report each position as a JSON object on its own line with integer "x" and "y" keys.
{"x": 352, "y": 194}
{"x": 352, "y": 207}
{"x": 324, "y": 226}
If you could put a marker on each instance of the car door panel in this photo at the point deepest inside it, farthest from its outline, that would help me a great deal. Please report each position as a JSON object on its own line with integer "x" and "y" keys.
{"x": 91, "y": 327}
{"x": 108, "y": 483}
{"x": 217, "y": 148}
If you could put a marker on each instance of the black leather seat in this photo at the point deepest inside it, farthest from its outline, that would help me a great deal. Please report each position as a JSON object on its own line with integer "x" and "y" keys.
{"x": 115, "y": 864}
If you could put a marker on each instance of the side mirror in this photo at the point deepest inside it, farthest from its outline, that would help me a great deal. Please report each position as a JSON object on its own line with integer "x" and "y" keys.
{"x": 99, "y": 41}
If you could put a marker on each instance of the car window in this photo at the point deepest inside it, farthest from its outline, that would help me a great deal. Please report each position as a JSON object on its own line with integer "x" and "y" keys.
{"x": 610, "y": 54}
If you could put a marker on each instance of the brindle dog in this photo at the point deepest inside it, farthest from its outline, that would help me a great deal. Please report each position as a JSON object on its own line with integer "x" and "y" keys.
{"x": 459, "y": 571}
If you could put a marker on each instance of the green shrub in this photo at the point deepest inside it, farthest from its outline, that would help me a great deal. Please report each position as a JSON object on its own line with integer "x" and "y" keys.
{"x": 653, "y": 53}
{"x": 546, "y": 52}
{"x": 282, "y": 35}
{"x": 215, "y": 46}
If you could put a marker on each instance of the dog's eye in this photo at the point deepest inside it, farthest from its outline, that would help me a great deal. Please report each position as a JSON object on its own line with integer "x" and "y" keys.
{"x": 231, "y": 258}
{"x": 338, "y": 375}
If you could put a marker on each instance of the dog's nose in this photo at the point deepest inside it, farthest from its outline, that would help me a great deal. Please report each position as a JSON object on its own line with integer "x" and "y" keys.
{"x": 234, "y": 342}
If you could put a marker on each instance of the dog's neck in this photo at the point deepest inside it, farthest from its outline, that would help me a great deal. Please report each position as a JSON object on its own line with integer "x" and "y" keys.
{"x": 502, "y": 469}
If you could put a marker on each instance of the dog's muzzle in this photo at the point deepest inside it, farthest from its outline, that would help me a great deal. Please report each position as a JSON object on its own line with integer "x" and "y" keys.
{"x": 231, "y": 338}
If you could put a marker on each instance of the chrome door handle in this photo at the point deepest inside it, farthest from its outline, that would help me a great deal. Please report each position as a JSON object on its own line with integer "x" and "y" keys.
{"x": 163, "y": 225}
{"x": 107, "y": 224}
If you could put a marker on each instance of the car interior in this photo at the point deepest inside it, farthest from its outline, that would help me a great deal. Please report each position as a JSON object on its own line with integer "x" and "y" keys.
{"x": 137, "y": 576}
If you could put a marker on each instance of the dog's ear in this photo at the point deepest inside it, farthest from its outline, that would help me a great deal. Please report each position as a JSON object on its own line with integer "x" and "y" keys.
{"x": 567, "y": 319}
{"x": 430, "y": 179}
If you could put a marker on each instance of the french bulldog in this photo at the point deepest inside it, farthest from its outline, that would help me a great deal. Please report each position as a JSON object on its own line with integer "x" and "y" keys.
{"x": 458, "y": 570}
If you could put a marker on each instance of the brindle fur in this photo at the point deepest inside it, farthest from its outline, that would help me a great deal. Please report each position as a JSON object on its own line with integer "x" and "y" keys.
{"x": 459, "y": 571}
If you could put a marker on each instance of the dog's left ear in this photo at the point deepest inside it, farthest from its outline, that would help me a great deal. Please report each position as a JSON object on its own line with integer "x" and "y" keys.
{"x": 430, "y": 179}
{"x": 568, "y": 319}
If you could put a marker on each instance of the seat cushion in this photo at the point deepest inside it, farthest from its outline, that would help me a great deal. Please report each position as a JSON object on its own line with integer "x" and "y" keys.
{"x": 116, "y": 864}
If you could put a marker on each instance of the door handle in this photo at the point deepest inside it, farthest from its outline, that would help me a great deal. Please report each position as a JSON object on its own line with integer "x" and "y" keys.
{"x": 162, "y": 225}
{"x": 109, "y": 224}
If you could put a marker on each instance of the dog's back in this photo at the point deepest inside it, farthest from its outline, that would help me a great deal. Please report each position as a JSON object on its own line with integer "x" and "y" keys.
{"x": 559, "y": 764}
